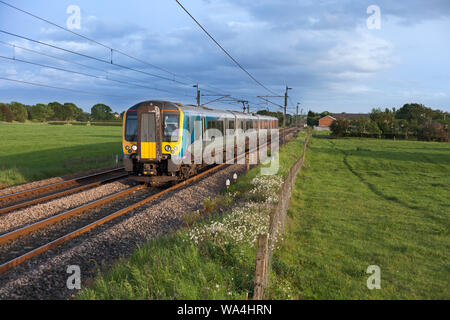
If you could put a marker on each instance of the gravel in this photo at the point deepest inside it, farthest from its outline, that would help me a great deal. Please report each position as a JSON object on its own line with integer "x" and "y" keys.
{"x": 15, "y": 219}
{"x": 46, "y": 182}
{"x": 45, "y": 277}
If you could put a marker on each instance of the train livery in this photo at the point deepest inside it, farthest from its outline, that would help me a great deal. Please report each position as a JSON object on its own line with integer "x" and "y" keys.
{"x": 158, "y": 137}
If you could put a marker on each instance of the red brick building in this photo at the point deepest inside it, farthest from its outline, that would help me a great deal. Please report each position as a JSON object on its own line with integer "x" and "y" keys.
{"x": 326, "y": 121}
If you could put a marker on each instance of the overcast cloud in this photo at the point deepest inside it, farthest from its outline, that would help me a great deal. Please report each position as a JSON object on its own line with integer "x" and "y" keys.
{"x": 322, "y": 49}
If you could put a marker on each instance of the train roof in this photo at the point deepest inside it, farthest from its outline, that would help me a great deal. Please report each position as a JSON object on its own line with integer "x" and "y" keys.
{"x": 204, "y": 110}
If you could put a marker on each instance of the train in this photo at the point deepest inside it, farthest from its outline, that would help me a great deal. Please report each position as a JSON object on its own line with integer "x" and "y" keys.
{"x": 158, "y": 138}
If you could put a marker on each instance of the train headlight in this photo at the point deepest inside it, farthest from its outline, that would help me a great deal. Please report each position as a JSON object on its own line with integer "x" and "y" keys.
{"x": 167, "y": 148}
{"x": 127, "y": 147}
{"x": 175, "y": 148}
{"x": 134, "y": 148}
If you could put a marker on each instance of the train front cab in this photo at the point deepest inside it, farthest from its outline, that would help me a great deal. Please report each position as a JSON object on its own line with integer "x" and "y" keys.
{"x": 155, "y": 128}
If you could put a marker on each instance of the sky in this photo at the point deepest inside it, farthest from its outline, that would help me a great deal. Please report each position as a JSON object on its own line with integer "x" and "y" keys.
{"x": 339, "y": 56}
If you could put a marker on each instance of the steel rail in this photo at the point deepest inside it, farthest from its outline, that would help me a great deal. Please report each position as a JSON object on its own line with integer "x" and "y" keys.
{"x": 65, "y": 215}
{"x": 62, "y": 184}
{"x": 55, "y": 243}
{"x": 58, "y": 194}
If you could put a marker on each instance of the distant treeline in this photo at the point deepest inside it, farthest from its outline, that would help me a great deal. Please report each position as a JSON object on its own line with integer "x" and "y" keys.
{"x": 55, "y": 111}
{"x": 411, "y": 120}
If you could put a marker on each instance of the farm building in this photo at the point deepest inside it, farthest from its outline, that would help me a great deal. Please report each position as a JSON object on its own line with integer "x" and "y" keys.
{"x": 324, "y": 123}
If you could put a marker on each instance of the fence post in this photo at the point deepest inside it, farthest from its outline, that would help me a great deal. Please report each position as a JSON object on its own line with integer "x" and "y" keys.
{"x": 261, "y": 267}
{"x": 276, "y": 224}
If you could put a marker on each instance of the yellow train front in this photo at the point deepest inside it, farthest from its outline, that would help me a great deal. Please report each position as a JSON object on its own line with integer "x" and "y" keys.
{"x": 157, "y": 132}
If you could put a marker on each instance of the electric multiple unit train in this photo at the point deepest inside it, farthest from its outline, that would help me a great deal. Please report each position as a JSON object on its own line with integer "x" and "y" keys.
{"x": 158, "y": 134}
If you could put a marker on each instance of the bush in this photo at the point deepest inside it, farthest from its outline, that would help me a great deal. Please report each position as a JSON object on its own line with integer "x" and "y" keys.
{"x": 58, "y": 123}
{"x": 107, "y": 124}
{"x": 340, "y": 128}
{"x": 434, "y": 131}
{"x": 6, "y": 113}
{"x": 19, "y": 111}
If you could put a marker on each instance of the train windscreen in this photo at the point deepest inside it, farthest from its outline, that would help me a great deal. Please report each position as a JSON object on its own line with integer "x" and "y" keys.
{"x": 131, "y": 126}
{"x": 171, "y": 127}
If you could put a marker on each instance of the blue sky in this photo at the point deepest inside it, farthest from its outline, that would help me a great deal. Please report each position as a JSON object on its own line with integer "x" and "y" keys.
{"x": 322, "y": 49}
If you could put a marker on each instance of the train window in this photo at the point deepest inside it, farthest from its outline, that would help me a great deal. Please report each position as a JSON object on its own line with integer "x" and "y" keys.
{"x": 212, "y": 124}
{"x": 171, "y": 127}
{"x": 148, "y": 127}
{"x": 249, "y": 124}
{"x": 131, "y": 127}
{"x": 231, "y": 124}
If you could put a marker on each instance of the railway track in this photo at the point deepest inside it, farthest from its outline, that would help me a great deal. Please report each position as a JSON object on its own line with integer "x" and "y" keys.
{"x": 26, "y": 198}
{"x": 94, "y": 223}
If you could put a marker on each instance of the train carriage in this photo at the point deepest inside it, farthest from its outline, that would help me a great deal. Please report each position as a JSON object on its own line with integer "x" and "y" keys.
{"x": 158, "y": 138}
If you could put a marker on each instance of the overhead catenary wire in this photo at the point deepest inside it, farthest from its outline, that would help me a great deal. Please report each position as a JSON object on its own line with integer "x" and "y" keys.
{"x": 120, "y": 52}
{"x": 81, "y": 73}
{"x": 111, "y": 49}
{"x": 87, "y": 38}
{"x": 63, "y": 88}
{"x": 93, "y": 58}
{"x": 86, "y": 74}
{"x": 225, "y": 51}
{"x": 97, "y": 59}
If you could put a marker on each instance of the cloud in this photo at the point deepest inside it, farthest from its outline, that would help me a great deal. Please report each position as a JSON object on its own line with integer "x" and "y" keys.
{"x": 321, "y": 49}
{"x": 359, "y": 54}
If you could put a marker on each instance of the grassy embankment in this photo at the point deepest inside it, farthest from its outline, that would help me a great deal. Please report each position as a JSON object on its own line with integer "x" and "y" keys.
{"x": 214, "y": 258}
{"x": 31, "y": 152}
{"x": 362, "y": 202}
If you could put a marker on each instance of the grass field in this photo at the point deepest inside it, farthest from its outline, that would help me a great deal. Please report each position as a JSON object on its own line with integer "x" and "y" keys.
{"x": 361, "y": 202}
{"x": 31, "y": 152}
{"x": 175, "y": 267}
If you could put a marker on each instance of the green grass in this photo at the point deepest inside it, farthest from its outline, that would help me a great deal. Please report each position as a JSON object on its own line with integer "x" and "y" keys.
{"x": 172, "y": 267}
{"x": 31, "y": 152}
{"x": 361, "y": 202}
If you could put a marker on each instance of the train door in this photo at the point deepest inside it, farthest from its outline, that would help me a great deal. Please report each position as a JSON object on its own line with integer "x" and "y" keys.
{"x": 149, "y": 144}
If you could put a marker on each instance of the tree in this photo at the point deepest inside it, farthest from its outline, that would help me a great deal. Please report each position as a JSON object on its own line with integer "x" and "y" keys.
{"x": 361, "y": 126}
{"x": 434, "y": 131}
{"x": 415, "y": 111}
{"x": 101, "y": 112}
{"x": 2, "y": 116}
{"x": 58, "y": 110}
{"x": 83, "y": 117}
{"x": 340, "y": 127}
{"x": 41, "y": 112}
{"x": 404, "y": 127}
{"x": 19, "y": 111}
{"x": 7, "y": 114}
{"x": 312, "y": 119}
{"x": 373, "y": 129}
{"x": 71, "y": 111}
{"x": 384, "y": 120}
